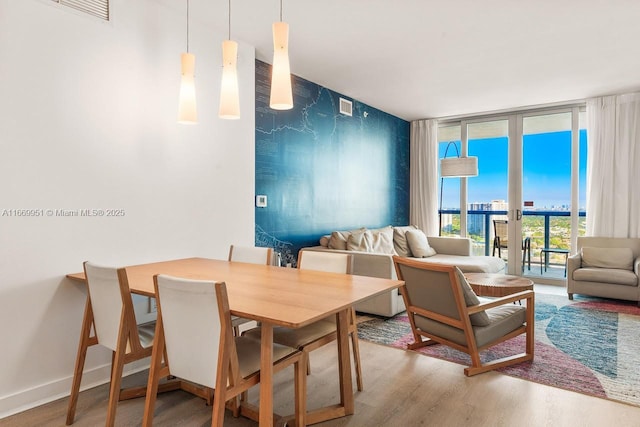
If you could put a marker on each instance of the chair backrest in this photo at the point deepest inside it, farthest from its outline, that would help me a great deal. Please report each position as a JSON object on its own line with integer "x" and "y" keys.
{"x": 433, "y": 287}
{"x": 325, "y": 261}
{"x": 610, "y": 242}
{"x": 500, "y": 228}
{"x": 191, "y": 314}
{"x": 106, "y": 298}
{"x": 250, "y": 254}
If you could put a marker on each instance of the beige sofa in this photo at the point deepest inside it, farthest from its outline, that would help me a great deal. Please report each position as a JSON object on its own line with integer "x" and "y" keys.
{"x": 377, "y": 260}
{"x": 605, "y": 267}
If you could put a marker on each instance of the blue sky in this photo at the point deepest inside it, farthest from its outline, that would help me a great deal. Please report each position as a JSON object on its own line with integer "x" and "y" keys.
{"x": 546, "y": 177}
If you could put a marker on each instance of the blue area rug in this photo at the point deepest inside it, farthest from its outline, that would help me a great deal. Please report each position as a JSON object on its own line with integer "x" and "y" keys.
{"x": 589, "y": 345}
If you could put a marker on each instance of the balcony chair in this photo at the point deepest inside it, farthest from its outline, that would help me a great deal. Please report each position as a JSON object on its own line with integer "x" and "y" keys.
{"x": 318, "y": 334}
{"x": 443, "y": 309}
{"x": 194, "y": 333}
{"x": 501, "y": 241}
{"x": 252, "y": 255}
{"x": 109, "y": 310}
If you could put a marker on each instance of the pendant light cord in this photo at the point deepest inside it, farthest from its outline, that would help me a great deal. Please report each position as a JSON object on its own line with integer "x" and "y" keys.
{"x": 229, "y": 19}
{"x": 280, "y": 10}
{"x": 187, "y": 26}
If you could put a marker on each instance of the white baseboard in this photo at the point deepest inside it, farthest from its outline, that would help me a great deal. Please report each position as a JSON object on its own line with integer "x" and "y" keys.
{"x": 54, "y": 390}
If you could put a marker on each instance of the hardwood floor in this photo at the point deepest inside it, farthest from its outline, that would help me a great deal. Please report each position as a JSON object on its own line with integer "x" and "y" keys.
{"x": 401, "y": 389}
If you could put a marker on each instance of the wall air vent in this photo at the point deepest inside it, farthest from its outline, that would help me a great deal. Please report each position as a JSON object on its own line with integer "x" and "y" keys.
{"x": 97, "y": 8}
{"x": 346, "y": 107}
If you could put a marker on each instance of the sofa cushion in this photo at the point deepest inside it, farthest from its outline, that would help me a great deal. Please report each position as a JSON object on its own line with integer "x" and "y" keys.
{"x": 382, "y": 240}
{"x": 419, "y": 244}
{"x": 360, "y": 240}
{"x": 621, "y": 258}
{"x": 470, "y": 298}
{"x": 616, "y": 276}
{"x": 470, "y": 264}
{"x": 400, "y": 240}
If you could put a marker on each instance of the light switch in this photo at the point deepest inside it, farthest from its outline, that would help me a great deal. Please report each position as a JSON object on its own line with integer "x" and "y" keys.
{"x": 261, "y": 201}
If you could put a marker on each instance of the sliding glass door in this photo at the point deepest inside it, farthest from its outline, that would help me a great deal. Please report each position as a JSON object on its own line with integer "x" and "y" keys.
{"x": 527, "y": 203}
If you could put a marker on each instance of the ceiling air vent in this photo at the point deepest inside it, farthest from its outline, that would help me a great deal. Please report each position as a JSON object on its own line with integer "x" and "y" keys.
{"x": 346, "y": 107}
{"x": 97, "y": 8}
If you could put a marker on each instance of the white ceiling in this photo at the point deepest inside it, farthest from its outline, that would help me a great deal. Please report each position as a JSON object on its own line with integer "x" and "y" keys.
{"x": 425, "y": 58}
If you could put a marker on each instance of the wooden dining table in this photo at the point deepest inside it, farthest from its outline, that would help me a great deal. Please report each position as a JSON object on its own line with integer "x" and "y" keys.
{"x": 276, "y": 296}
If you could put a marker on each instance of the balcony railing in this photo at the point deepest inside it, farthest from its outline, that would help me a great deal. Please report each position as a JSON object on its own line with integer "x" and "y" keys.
{"x": 546, "y": 229}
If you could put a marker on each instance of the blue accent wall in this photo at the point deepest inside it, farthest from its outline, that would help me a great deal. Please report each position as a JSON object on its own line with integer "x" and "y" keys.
{"x": 322, "y": 170}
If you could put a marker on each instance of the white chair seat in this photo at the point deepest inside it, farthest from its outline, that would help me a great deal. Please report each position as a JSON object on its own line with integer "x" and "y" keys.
{"x": 298, "y": 337}
{"x": 146, "y": 331}
{"x": 248, "y": 350}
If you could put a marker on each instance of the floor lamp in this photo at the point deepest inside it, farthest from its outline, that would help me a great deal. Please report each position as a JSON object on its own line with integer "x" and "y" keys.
{"x": 454, "y": 167}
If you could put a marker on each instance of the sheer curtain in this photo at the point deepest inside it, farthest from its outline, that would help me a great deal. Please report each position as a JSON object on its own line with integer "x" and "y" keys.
{"x": 613, "y": 168}
{"x": 423, "y": 211}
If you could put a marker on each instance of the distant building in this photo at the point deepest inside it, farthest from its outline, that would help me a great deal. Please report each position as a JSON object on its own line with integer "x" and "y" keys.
{"x": 476, "y": 223}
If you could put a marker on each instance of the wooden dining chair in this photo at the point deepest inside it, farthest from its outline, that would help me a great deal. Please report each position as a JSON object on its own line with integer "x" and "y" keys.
{"x": 194, "y": 333}
{"x": 318, "y": 334}
{"x": 252, "y": 255}
{"x": 109, "y": 311}
{"x": 443, "y": 309}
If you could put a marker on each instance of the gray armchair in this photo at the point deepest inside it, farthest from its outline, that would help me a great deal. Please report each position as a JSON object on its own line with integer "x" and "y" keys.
{"x": 606, "y": 267}
{"x": 443, "y": 309}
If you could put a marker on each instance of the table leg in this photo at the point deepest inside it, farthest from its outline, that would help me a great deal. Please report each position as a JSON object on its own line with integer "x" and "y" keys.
{"x": 266, "y": 376}
{"x": 344, "y": 363}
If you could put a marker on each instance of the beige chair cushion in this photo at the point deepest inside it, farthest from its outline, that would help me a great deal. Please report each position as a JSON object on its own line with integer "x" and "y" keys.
{"x": 614, "y": 276}
{"x": 248, "y": 349}
{"x": 400, "y": 240}
{"x": 621, "y": 258}
{"x": 502, "y": 320}
{"x": 146, "y": 331}
{"x": 470, "y": 298}
{"x": 419, "y": 244}
{"x": 297, "y": 337}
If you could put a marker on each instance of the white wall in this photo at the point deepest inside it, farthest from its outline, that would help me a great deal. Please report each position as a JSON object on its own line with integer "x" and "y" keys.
{"x": 88, "y": 121}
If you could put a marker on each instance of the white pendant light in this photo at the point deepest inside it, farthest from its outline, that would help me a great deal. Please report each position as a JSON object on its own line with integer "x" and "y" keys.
{"x": 281, "y": 94}
{"x": 229, "y": 96}
{"x": 187, "y": 113}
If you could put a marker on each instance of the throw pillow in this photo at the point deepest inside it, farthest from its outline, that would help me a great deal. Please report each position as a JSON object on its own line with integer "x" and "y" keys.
{"x": 360, "y": 241}
{"x": 620, "y": 258}
{"x": 419, "y": 244}
{"x": 338, "y": 240}
{"x": 400, "y": 240}
{"x": 470, "y": 298}
{"x": 382, "y": 240}
{"x": 324, "y": 240}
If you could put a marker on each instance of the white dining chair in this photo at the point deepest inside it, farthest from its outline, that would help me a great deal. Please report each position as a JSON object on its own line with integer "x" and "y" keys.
{"x": 251, "y": 255}
{"x": 109, "y": 311}
{"x": 194, "y": 333}
{"x": 318, "y": 334}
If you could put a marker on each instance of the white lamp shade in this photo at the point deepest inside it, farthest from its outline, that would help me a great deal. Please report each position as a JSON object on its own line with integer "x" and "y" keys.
{"x": 187, "y": 113}
{"x": 229, "y": 97}
{"x": 459, "y": 167}
{"x": 281, "y": 94}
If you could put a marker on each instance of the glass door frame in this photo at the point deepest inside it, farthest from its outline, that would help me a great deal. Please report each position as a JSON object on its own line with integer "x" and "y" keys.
{"x": 515, "y": 165}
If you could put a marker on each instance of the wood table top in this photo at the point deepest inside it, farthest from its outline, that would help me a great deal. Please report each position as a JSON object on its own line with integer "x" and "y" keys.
{"x": 498, "y": 285}
{"x": 281, "y": 296}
